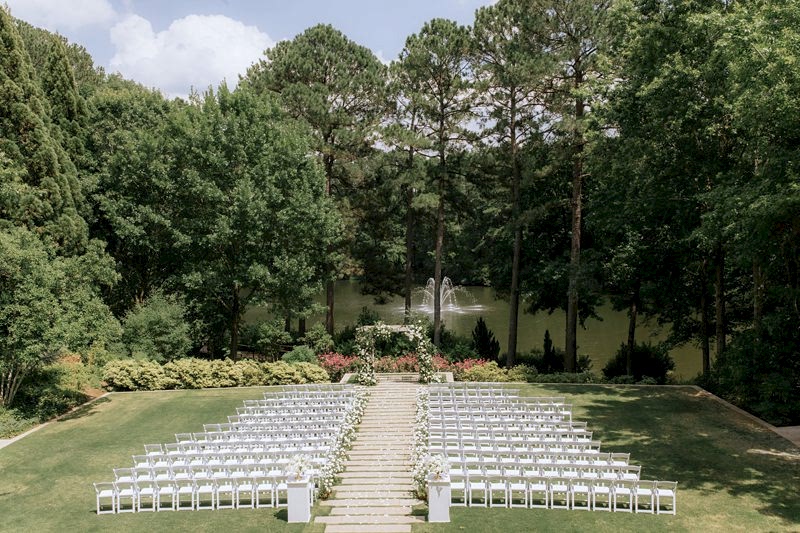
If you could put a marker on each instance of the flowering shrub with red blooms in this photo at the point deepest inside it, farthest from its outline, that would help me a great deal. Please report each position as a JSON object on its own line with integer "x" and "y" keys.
{"x": 440, "y": 364}
{"x": 337, "y": 365}
{"x": 459, "y": 367}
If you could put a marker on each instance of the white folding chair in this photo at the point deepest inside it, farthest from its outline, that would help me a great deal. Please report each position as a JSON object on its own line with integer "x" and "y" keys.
{"x": 666, "y": 496}
{"x": 125, "y": 493}
{"x": 146, "y": 495}
{"x": 601, "y": 493}
{"x": 645, "y": 496}
{"x": 167, "y": 492}
{"x": 623, "y": 492}
{"x": 538, "y": 492}
{"x": 184, "y": 490}
{"x": 105, "y": 491}
{"x": 581, "y": 487}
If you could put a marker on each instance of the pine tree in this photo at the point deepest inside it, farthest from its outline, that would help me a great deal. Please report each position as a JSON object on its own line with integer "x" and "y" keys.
{"x": 43, "y": 193}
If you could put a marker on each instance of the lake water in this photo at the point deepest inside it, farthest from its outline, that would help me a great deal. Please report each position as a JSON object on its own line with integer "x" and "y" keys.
{"x": 600, "y": 339}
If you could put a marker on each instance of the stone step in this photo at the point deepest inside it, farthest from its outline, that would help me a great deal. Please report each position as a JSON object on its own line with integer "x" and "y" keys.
{"x": 370, "y": 502}
{"x": 365, "y": 493}
{"x": 362, "y": 485}
{"x": 380, "y": 476}
{"x": 364, "y": 446}
{"x": 368, "y": 528}
{"x": 369, "y": 519}
{"x": 357, "y": 467}
{"x": 382, "y": 511}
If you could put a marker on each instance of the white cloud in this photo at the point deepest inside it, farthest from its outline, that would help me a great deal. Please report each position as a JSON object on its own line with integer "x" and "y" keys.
{"x": 382, "y": 58}
{"x": 195, "y": 51}
{"x": 61, "y": 15}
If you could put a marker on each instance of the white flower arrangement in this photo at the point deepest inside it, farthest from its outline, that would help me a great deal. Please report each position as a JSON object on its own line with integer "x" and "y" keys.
{"x": 420, "y": 458}
{"x": 344, "y": 438}
{"x": 299, "y": 467}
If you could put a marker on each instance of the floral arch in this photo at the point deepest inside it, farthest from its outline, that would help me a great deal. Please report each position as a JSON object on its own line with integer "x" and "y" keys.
{"x": 367, "y": 336}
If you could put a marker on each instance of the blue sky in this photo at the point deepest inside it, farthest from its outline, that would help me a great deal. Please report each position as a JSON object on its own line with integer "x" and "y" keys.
{"x": 174, "y": 45}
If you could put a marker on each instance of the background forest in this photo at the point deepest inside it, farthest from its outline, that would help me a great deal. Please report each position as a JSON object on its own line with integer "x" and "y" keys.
{"x": 563, "y": 152}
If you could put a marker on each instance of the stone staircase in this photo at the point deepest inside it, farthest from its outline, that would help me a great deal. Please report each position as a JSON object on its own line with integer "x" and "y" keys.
{"x": 375, "y": 494}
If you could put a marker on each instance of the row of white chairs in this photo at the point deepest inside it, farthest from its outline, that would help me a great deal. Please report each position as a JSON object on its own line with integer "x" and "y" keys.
{"x": 228, "y": 457}
{"x": 523, "y": 457}
{"x": 501, "y": 490}
{"x": 192, "y": 494}
{"x": 547, "y": 470}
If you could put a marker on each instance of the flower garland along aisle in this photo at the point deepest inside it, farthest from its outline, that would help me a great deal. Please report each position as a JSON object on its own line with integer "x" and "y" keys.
{"x": 367, "y": 336}
{"x": 420, "y": 458}
{"x": 338, "y": 452}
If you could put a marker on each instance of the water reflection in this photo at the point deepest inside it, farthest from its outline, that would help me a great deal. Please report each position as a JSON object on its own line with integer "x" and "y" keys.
{"x": 600, "y": 339}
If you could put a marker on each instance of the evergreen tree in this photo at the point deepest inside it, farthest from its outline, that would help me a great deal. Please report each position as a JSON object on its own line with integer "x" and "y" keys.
{"x": 336, "y": 87}
{"x": 43, "y": 192}
{"x": 435, "y": 71}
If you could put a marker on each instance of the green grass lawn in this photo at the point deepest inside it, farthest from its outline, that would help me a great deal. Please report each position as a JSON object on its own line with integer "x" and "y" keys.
{"x": 733, "y": 475}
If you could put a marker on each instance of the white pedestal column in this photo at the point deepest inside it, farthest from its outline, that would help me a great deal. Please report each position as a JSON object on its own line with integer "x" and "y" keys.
{"x": 438, "y": 500}
{"x": 299, "y": 500}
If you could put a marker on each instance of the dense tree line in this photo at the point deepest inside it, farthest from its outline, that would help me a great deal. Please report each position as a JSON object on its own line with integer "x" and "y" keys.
{"x": 561, "y": 151}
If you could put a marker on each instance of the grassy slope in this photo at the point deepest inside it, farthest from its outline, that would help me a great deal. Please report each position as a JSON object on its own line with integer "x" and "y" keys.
{"x": 732, "y": 476}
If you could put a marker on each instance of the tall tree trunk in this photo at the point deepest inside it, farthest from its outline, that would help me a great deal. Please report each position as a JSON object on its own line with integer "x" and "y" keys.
{"x": 759, "y": 283}
{"x": 704, "y": 326}
{"x": 329, "y": 287}
{"x": 301, "y": 327}
{"x": 287, "y": 324}
{"x": 329, "y": 291}
{"x": 513, "y": 304}
{"x": 633, "y": 311}
{"x": 409, "y": 255}
{"x": 235, "y": 315}
{"x": 571, "y": 337}
{"x": 719, "y": 299}
{"x": 437, "y": 270}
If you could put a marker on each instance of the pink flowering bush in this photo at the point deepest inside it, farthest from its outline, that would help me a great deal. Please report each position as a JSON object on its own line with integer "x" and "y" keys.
{"x": 459, "y": 368}
{"x": 337, "y": 365}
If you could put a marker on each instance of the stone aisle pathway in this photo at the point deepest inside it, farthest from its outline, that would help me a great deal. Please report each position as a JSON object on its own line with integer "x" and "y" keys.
{"x": 375, "y": 494}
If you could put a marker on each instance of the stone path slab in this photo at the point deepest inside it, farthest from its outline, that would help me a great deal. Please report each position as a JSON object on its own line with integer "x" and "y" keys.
{"x": 375, "y": 493}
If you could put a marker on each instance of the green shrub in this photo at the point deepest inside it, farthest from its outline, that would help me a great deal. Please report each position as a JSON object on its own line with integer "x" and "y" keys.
{"x": 646, "y": 360}
{"x": 522, "y": 373}
{"x": 567, "y": 377}
{"x": 157, "y": 329}
{"x": 484, "y": 342}
{"x": 12, "y": 423}
{"x": 300, "y": 354}
{"x": 251, "y": 372}
{"x": 270, "y": 337}
{"x": 760, "y": 370}
{"x": 318, "y": 339}
{"x": 190, "y": 373}
{"x": 488, "y": 372}
{"x": 312, "y": 373}
{"x": 282, "y": 373}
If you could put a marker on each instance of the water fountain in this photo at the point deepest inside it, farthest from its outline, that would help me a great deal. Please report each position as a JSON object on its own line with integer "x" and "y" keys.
{"x": 447, "y": 292}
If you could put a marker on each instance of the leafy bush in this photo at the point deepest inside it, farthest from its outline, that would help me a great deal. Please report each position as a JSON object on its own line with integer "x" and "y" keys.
{"x": 489, "y": 371}
{"x": 190, "y": 373}
{"x": 12, "y": 423}
{"x": 300, "y": 354}
{"x": 522, "y": 373}
{"x": 282, "y": 373}
{"x": 318, "y": 339}
{"x": 567, "y": 377}
{"x": 646, "y": 360}
{"x": 157, "y": 329}
{"x": 337, "y": 365}
{"x": 312, "y": 373}
{"x": 270, "y": 337}
{"x": 484, "y": 342}
{"x": 136, "y": 374}
{"x": 760, "y": 371}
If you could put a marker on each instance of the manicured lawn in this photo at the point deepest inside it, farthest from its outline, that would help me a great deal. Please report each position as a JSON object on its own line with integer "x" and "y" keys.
{"x": 732, "y": 475}
{"x": 46, "y": 478}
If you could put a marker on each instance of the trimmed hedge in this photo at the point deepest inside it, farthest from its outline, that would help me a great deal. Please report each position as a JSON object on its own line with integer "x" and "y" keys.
{"x": 191, "y": 373}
